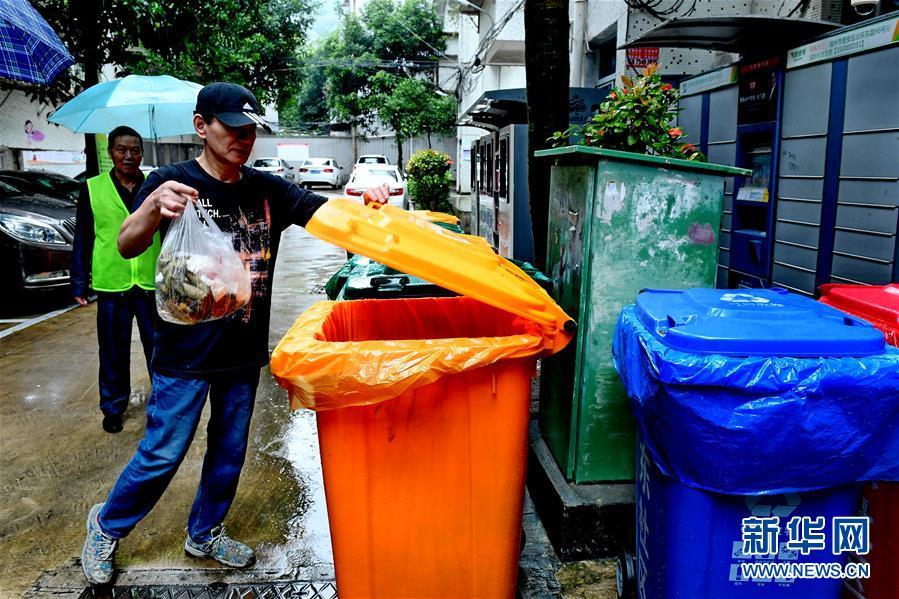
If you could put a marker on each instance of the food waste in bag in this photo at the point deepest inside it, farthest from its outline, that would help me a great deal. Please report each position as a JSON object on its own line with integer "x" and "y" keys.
{"x": 199, "y": 275}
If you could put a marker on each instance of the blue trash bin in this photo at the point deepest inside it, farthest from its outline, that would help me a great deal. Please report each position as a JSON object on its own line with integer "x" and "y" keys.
{"x": 690, "y": 546}
{"x": 749, "y": 403}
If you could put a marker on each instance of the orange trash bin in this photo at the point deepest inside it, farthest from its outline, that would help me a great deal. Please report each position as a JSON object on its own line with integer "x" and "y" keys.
{"x": 879, "y": 305}
{"x": 422, "y": 408}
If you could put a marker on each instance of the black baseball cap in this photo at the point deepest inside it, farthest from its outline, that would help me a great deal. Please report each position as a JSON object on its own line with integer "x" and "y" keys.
{"x": 230, "y": 103}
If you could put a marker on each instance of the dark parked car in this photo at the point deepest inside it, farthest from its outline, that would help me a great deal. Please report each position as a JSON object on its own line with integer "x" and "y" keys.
{"x": 43, "y": 183}
{"x": 36, "y": 234}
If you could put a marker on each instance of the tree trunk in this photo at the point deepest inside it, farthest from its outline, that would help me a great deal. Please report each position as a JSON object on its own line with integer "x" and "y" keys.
{"x": 399, "y": 152}
{"x": 429, "y": 140}
{"x": 546, "y": 64}
{"x": 90, "y": 14}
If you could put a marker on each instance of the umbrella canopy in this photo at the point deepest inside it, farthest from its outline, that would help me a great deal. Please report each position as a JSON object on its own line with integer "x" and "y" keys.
{"x": 154, "y": 106}
{"x": 30, "y": 50}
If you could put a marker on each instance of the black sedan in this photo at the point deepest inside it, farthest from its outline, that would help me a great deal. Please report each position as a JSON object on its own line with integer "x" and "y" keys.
{"x": 36, "y": 234}
{"x": 43, "y": 183}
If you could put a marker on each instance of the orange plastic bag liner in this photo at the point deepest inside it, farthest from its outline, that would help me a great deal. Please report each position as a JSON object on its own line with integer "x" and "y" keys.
{"x": 341, "y": 354}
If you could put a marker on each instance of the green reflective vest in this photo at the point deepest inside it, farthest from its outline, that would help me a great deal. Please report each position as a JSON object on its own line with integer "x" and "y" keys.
{"x": 109, "y": 270}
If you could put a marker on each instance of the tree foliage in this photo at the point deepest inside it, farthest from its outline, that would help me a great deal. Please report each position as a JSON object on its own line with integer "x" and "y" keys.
{"x": 375, "y": 70}
{"x": 348, "y": 55}
{"x": 409, "y": 30}
{"x": 438, "y": 117}
{"x": 308, "y": 111}
{"x": 410, "y": 107}
{"x": 251, "y": 42}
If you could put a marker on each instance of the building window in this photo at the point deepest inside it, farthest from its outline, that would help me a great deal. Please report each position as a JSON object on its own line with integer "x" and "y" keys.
{"x": 606, "y": 55}
{"x": 504, "y": 168}
{"x": 489, "y": 174}
{"x": 473, "y": 166}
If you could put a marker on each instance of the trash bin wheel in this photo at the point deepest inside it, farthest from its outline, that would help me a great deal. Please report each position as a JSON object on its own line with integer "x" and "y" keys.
{"x": 626, "y": 576}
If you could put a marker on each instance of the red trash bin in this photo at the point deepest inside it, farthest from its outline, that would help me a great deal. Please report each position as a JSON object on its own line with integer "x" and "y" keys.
{"x": 880, "y": 307}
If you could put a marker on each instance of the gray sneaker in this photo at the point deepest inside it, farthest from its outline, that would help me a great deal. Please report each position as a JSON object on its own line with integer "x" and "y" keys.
{"x": 98, "y": 555}
{"x": 222, "y": 549}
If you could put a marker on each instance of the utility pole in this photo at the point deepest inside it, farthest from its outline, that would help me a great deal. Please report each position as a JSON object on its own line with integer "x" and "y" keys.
{"x": 577, "y": 47}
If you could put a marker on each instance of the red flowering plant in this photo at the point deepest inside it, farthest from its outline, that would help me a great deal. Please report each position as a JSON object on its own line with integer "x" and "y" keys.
{"x": 635, "y": 118}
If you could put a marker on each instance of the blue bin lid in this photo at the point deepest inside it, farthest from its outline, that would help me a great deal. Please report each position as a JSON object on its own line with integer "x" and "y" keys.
{"x": 754, "y": 322}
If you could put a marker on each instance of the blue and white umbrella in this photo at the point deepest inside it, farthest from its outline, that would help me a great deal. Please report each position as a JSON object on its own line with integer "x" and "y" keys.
{"x": 30, "y": 50}
{"x": 154, "y": 106}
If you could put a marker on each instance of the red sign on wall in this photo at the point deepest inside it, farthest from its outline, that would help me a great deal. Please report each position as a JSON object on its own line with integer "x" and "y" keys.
{"x": 642, "y": 57}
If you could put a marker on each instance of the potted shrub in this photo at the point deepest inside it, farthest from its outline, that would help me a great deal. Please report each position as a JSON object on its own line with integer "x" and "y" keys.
{"x": 635, "y": 118}
{"x": 632, "y": 206}
{"x": 429, "y": 180}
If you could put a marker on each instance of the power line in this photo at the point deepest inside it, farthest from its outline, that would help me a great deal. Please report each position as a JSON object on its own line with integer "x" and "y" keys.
{"x": 653, "y": 7}
{"x": 489, "y": 37}
{"x": 395, "y": 64}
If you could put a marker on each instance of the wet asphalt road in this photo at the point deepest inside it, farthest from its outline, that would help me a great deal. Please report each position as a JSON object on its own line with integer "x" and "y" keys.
{"x": 56, "y": 461}
{"x": 19, "y": 312}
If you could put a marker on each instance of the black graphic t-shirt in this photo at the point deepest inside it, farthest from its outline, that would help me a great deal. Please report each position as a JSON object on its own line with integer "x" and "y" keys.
{"x": 254, "y": 210}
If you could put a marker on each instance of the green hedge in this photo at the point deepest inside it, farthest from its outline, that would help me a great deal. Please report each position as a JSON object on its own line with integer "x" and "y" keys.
{"x": 430, "y": 181}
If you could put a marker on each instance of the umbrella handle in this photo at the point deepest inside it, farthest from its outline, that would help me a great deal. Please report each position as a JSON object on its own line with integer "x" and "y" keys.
{"x": 155, "y": 136}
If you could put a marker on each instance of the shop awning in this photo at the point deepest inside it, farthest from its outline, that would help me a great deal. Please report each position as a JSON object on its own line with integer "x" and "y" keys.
{"x": 737, "y": 34}
{"x": 499, "y": 108}
{"x": 496, "y": 109}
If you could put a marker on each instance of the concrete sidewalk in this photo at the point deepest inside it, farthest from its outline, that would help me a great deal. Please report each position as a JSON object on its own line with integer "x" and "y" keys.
{"x": 56, "y": 461}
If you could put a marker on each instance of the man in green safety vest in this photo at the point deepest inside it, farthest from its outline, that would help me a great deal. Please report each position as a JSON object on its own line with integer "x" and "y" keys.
{"x": 124, "y": 287}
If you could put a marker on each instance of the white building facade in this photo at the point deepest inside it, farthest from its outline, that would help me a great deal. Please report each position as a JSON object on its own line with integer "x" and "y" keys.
{"x": 28, "y": 141}
{"x": 491, "y": 57}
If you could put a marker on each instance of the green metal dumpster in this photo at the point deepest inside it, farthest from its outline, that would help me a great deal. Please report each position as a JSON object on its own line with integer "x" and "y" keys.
{"x": 450, "y": 227}
{"x": 363, "y": 278}
{"x": 619, "y": 222}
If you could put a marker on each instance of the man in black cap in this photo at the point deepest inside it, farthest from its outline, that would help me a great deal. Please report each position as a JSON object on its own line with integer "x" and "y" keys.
{"x": 221, "y": 358}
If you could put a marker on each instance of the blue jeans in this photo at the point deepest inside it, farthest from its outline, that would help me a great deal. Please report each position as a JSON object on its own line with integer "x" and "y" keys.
{"x": 115, "y": 313}
{"x": 173, "y": 413}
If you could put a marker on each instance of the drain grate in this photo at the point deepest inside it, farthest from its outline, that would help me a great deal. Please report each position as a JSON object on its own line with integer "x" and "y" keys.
{"x": 269, "y": 590}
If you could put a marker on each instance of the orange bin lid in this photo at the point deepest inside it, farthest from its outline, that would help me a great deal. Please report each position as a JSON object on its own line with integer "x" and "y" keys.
{"x": 460, "y": 263}
{"x": 878, "y": 304}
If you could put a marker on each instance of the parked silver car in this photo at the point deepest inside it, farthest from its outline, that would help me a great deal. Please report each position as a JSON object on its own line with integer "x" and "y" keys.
{"x": 277, "y": 167}
{"x": 319, "y": 171}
